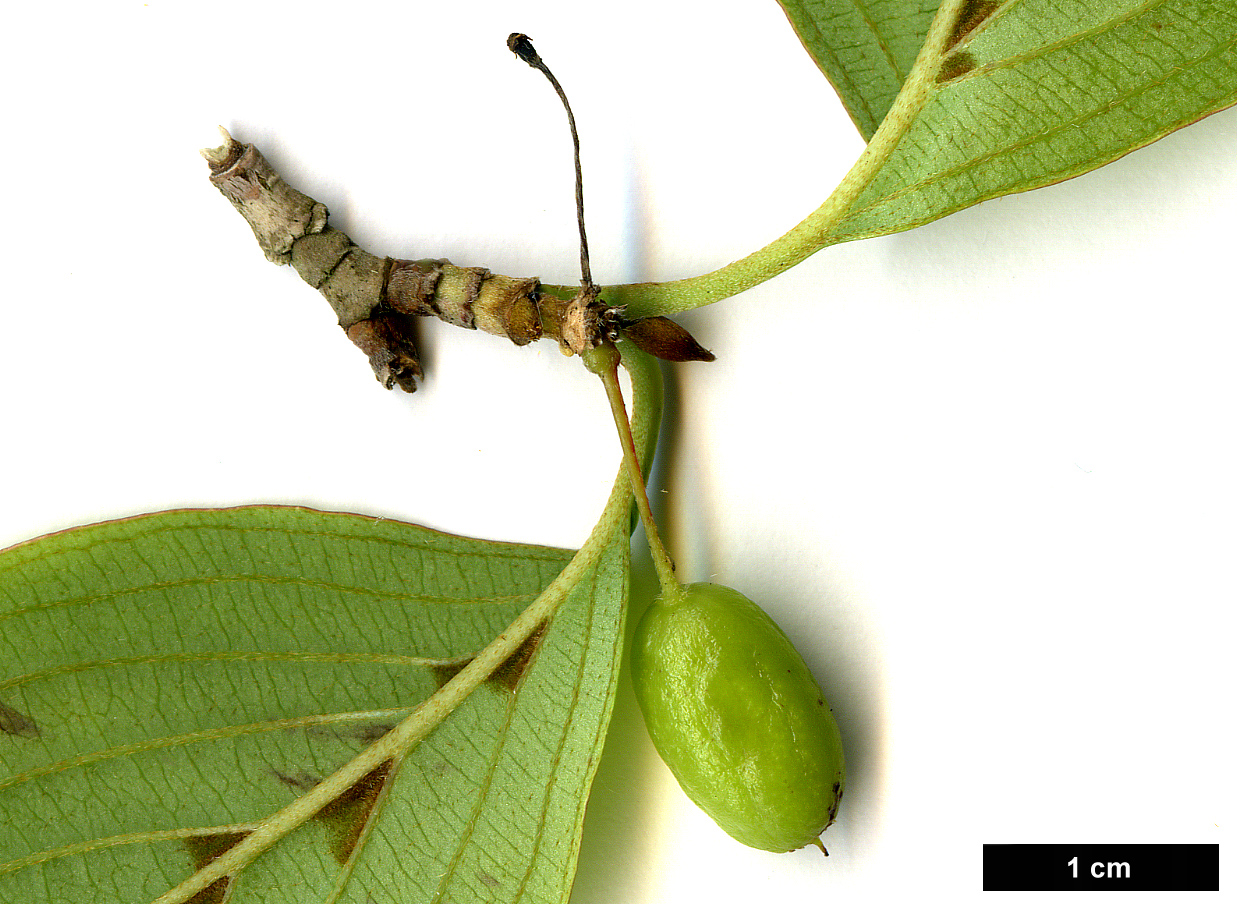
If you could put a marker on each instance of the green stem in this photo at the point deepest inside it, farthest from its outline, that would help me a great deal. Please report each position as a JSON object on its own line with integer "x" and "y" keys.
{"x": 817, "y": 230}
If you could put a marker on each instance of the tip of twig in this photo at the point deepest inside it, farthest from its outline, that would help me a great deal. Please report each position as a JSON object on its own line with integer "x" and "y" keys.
{"x": 219, "y": 156}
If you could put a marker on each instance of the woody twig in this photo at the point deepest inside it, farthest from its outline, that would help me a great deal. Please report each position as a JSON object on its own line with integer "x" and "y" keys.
{"x": 378, "y": 298}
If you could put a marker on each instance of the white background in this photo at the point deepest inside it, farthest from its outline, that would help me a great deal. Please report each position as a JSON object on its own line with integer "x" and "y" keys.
{"x": 981, "y": 472}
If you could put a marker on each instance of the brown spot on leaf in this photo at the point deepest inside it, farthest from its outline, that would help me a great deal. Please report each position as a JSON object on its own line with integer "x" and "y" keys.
{"x": 205, "y": 848}
{"x": 298, "y": 781}
{"x": 973, "y": 12}
{"x": 509, "y": 674}
{"x": 367, "y": 733}
{"x": 215, "y": 893}
{"x": 445, "y": 671}
{"x": 347, "y": 815}
{"x": 488, "y": 881}
{"x": 955, "y": 64}
{"x": 17, "y": 723}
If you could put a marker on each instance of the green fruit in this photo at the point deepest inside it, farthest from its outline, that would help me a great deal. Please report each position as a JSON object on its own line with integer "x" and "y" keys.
{"x": 736, "y": 715}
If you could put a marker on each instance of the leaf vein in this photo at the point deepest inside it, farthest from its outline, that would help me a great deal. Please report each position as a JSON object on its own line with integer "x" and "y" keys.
{"x": 264, "y": 579}
{"x": 195, "y": 737}
{"x": 227, "y": 656}
{"x": 1106, "y": 27}
{"x": 94, "y": 844}
{"x": 885, "y": 50}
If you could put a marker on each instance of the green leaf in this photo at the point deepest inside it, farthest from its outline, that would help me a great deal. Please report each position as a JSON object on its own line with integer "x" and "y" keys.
{"x": 1003, "y": 98}
{"x": 189, "y": 673}
{"x": 1025, "y": 94}
{"x": 274, "y": 704}
{"x": 864, "y": 47}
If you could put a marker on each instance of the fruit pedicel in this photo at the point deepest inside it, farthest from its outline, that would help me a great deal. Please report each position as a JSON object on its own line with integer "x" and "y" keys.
{"x": 729, "y": 703}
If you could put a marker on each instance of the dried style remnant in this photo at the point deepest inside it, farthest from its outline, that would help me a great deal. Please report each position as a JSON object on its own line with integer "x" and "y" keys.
{"x": 376, "y": 299}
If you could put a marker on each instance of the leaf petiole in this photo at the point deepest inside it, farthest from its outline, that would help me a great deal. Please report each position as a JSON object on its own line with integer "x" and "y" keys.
{"x": 814, "y": 232}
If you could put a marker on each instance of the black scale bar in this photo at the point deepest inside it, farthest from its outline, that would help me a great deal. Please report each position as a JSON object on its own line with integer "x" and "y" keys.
{"x": 1096, "y": 867}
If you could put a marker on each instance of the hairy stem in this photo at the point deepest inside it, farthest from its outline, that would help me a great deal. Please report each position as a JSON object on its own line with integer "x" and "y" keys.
{"x": 814, "y": 232}
{"x": 376, "y": 299}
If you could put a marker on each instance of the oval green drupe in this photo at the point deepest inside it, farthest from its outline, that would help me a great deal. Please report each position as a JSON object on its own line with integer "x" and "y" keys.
{"x": 736, "y": 715}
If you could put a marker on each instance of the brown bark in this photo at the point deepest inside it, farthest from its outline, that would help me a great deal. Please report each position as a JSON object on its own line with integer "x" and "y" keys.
{"x": 376, "y": 299}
